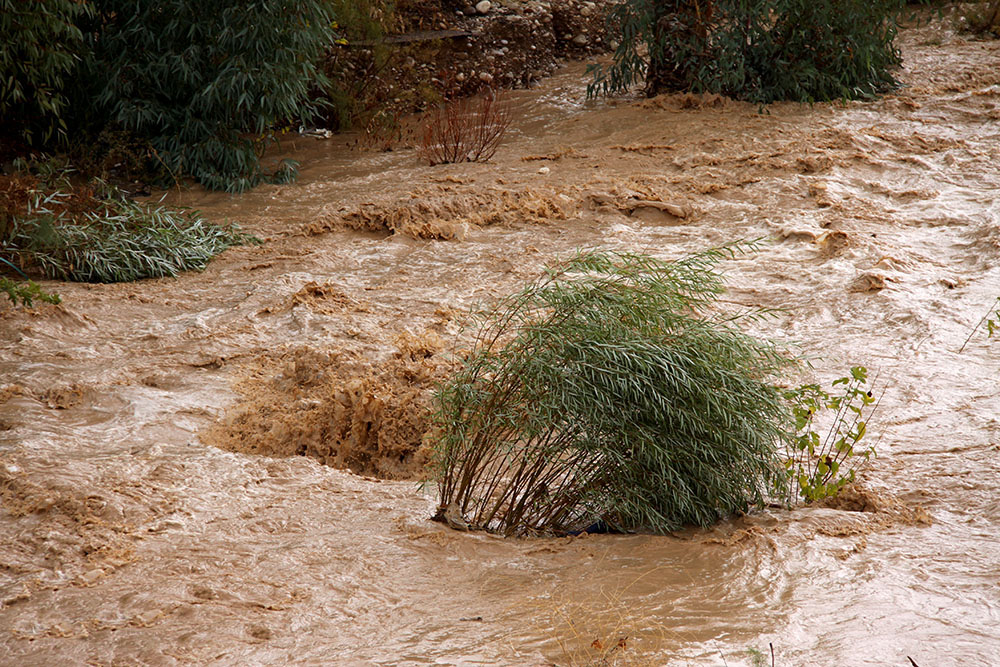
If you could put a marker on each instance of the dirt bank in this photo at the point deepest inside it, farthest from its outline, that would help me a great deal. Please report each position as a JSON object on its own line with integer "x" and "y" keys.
{"x": 130, "y": 538}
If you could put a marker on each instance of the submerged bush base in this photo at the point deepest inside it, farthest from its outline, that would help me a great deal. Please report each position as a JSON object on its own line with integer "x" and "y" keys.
{"x": 799, "y": 50}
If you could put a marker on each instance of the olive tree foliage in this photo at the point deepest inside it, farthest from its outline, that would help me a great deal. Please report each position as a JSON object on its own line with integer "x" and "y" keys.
{"x": 755, "y": 50}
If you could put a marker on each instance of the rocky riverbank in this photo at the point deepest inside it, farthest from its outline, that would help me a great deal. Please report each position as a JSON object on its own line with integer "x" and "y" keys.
{"x": 441, "y": 49}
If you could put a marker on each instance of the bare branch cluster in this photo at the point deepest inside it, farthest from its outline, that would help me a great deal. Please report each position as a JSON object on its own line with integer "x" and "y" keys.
{"x": 466, "y": 130}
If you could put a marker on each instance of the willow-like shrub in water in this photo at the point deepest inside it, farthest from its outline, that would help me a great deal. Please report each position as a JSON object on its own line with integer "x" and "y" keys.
{"x": 610, "y": 389}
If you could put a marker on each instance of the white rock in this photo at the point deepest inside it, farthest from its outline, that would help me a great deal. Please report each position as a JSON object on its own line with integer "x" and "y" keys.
{"x": 486, "y": 77}
{"x": 544, "y": 170}
{"x": 483, "y": 7}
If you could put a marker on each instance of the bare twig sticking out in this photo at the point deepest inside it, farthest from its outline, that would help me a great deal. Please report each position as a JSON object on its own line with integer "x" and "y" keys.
{"x": 466, "y": 130}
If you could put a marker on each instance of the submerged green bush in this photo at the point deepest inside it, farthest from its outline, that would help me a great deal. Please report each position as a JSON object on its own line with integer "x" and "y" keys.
{"x": 819, "y": 466}
{"x": 610, "y": 390}
{"x": 127, "y": 241}
{"x": 98, "y": 236}
{"x": 801, "y": 50}
{"x": 25, "y": 293}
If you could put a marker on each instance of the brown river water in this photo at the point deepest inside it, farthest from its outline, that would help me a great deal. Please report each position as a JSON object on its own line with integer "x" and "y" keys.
{"x": 129, "y": 537}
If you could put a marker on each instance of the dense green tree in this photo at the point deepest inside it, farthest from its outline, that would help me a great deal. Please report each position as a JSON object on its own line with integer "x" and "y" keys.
{"x": 757, "y": 50}
{"x": 40, "y": 47}
{"x": 206, "y": 82}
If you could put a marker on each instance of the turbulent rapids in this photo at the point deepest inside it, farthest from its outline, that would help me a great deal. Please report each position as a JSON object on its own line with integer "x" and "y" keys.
{"x": 218, "y": 468}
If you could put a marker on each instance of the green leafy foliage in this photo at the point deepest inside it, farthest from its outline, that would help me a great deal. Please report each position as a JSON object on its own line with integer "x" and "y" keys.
{"x": 25, "y": 293}
{"x": 802, "y": 50}
{"x": 992, "y": 321}
{"x": 198, "y": 87}
{"x": 820, "y": 466}
{"x": 206, "y": 82}
{"x": 92, "y": 234}
{"x": 610, "y": 389}
{"x": 126, "y": 241}
{"x": 40, "y": 46}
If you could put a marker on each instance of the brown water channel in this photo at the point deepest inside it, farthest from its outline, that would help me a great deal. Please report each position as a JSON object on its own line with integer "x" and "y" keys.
{"x": 128, "y": 539}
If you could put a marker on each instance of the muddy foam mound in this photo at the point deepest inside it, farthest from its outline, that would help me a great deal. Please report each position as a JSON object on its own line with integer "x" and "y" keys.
{"x": 440, "y": 213}
{"x": 343, "y": 410}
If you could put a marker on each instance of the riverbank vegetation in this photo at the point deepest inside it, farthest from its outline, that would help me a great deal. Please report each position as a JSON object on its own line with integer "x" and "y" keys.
{"x": 198, "y": 87}
{"x": 762, "y": 52}
{"x": 87, "y": 230}
{"x": 137, "y": 94}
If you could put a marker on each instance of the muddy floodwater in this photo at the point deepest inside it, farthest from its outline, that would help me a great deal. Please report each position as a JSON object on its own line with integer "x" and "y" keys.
{"x": 155, "y": 510}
